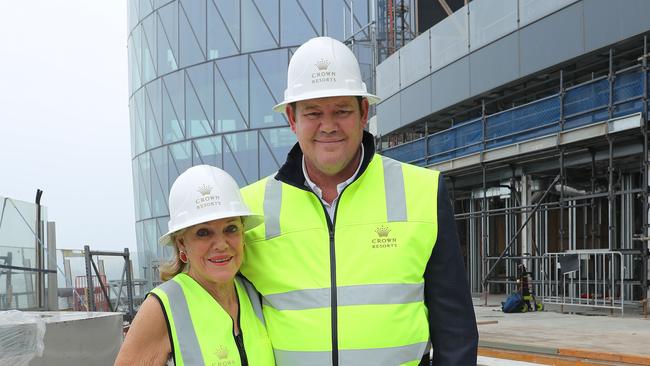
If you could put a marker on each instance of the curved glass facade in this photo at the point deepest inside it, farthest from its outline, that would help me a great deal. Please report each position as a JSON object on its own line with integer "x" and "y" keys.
{"x": 203, "y": 77}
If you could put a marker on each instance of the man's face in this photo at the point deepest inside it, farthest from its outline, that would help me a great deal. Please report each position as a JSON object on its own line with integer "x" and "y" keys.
{"x": 329, "y": 131}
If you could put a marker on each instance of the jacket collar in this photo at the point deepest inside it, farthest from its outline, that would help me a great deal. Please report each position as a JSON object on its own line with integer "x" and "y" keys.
{"x": 291, "y": 171}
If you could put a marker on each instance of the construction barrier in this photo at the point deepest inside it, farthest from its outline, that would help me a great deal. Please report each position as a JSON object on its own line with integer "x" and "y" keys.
{"x": 588, "y": 278}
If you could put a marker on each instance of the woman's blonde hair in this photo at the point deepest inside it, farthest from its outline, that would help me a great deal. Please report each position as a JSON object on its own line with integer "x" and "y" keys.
{"x": 175, "y": 265}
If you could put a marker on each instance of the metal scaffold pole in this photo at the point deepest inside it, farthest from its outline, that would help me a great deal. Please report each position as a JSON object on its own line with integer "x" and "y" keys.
{"x": 611, "y": 204}
{"x": 645, "y": 246}
{"x": 562, "y": 184}
{"x": 484, "y": 223}
{"x": 90, "y": 295}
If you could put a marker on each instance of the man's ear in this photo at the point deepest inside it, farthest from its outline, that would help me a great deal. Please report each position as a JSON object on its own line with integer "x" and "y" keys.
{"x": 365, "y": 107}
{"x": 291, "y": 116}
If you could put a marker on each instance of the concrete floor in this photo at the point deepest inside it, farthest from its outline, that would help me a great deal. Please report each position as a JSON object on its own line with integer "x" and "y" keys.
{"x": 550, "y": 332}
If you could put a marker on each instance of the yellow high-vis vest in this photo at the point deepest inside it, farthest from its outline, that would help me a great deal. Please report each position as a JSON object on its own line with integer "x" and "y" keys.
{"x": 202, "y": 331}
{"x": 353, "y": 289}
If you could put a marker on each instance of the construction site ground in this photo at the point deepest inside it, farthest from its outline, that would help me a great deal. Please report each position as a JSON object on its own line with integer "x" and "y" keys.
{"x": 579, "y": 336}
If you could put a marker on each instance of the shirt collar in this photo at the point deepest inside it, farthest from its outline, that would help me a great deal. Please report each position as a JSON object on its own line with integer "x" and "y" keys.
{"x": 339, "y": 187}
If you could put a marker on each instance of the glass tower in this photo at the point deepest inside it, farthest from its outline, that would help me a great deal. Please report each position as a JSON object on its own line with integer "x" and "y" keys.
{"x": 203, "y": 77}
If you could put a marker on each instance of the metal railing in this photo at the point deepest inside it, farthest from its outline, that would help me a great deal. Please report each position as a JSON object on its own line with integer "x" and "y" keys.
{"x": 587, "y": 278}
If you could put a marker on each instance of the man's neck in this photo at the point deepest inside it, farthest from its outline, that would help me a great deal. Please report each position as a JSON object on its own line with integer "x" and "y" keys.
{"x": 328, "y": 183}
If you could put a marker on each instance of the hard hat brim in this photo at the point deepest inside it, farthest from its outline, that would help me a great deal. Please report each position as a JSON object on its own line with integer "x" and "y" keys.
{"x": 372, "y": 99}
{"x": 250, "y": 221}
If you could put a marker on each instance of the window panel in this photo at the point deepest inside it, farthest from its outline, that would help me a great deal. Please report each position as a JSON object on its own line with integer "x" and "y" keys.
{"x": 136, "y": 43}
{"x": 180, "y": 159}
{"x": 300, "y": 28}
{"x": 240, "y": 156}
{"x": 222, "y": 41}
{"x": 145, "y": 8}
{"x": 256, "y": 34}
{"x": 281, "y": 140}
{"x": 210, "y": 150}
{"x": 269, "y": 9}
{"x": 145, "y": 185}
{"x": 167, "y": 38}
{"x": 132, "y": 13}
{"x": 198, "y": 96}
{"x": 231, "y": 94}
{"x": 191, "y": 30}
{"x": 273, "y": 65}
{"x": 334, "y": 19}
{"x": 262, "y": 101}
{"x": 159, "y": 181}
{"x": 138, "y": 107}
{"x": 230, "y": 11}
{"x": 173, "y": 123}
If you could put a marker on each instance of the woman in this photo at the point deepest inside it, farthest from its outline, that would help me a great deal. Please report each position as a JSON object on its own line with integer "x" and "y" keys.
{"x": 202, "y": 314}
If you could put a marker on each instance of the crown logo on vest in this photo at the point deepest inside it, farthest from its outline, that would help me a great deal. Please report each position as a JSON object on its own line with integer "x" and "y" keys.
{"x": 222, "y": 352}
{"x": 204, "y": 189}
{"x": 382, "y": 231}
{"x": 322, "y": 64}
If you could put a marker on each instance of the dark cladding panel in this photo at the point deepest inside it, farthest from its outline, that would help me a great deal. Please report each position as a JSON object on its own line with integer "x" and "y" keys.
{"x": 450, "y": 85}
{"x": 495, "y": 65}
{"x": 552, "y": 40}
{"x": 388, "y": 113}
{"x": 416, "y": 101}
{"x": 609, "y": 21}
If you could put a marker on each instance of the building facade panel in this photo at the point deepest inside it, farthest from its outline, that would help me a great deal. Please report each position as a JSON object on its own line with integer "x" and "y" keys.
{"x": 416, "y": 100}
{"x": 607, "y": 22}
{"x": 450, "y": 85}
{"x": 494, "y": 65}
{"x": 389, "y": 114}
{"x": 553, "y": 39}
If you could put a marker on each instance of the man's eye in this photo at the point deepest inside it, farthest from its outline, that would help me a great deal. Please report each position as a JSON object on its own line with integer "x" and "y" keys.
{"x": 312, "y": 115}
{"x": 343, "y": 113}
{"x": 232, "y": 228}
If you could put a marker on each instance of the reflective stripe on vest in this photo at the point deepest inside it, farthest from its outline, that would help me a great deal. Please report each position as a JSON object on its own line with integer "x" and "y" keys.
{"x": 189, "y": 345}
{"x": 374, "y": 294}
{"x": 272, "y": 206}
{"x": 394, "y": 185}
{"x": 376, "y": 356}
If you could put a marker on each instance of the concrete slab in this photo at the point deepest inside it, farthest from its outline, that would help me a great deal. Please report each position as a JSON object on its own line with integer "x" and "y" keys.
{"x": 605, "y": 337}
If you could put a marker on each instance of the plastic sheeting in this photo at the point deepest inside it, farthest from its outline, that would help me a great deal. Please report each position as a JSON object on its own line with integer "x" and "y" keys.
{"x": 21, "y": 337}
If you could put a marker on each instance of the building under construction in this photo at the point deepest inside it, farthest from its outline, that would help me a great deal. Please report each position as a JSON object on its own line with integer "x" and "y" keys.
{"x": 537, "y": 114}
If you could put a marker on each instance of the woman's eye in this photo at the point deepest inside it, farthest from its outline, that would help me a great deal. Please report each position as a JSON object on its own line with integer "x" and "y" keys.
{"x": 232, "y": 228}
{"x": 202, "y": 232}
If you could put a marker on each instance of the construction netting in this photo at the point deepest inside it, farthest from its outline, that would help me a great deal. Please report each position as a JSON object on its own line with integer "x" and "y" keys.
{"x": 576, "y": 106}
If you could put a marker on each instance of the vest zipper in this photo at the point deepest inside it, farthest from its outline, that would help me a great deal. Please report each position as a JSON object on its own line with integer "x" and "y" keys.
{"x": 333, "y": 293}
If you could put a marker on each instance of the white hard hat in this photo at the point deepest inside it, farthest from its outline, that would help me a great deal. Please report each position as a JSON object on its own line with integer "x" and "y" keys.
{"x": 204, "y": 193}
{"x": 323, "y": 67}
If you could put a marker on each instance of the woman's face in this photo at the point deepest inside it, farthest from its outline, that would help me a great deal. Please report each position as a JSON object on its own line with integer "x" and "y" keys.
{"x": 214, "y": 250}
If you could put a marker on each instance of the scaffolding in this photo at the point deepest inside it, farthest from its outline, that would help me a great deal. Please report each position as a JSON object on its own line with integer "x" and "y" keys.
{"x": 566, "y": 172}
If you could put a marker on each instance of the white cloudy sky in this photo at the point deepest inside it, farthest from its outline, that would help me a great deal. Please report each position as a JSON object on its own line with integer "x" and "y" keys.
{"x": 64, "y": 124}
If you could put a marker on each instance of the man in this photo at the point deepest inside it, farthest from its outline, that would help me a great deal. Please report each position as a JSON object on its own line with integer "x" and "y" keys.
{"x": 358, "y": 260}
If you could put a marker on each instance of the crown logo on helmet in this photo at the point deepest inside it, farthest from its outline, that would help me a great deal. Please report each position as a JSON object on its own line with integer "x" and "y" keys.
{"x": 382, "y": 231}
{"x": 322, "y": 64}
{"x": 204, "y": 189}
